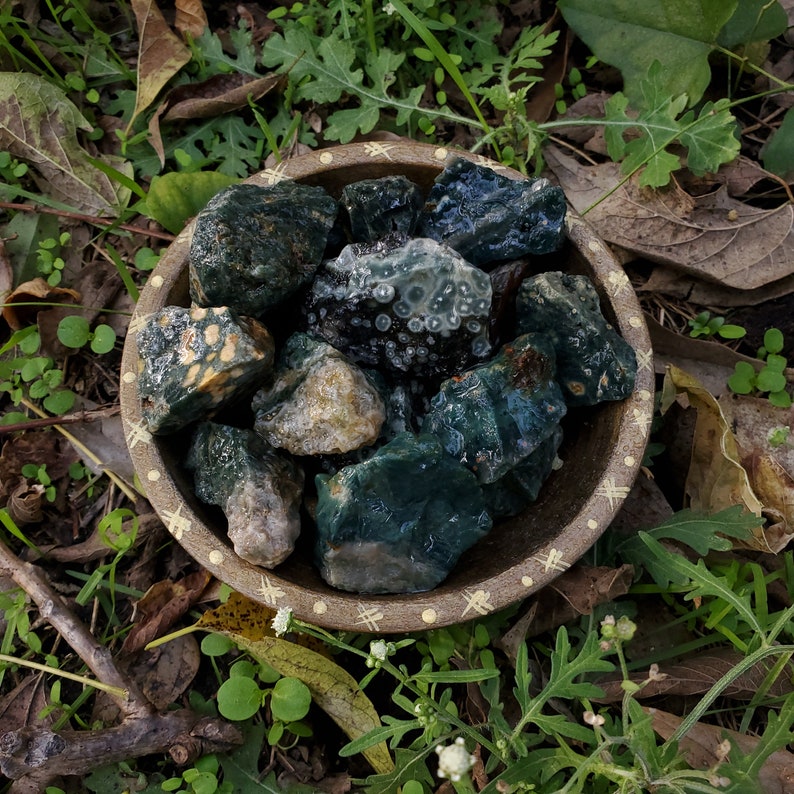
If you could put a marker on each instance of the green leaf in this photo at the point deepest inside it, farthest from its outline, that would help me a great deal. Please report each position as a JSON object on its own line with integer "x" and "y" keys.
{"x": 773, "y": 340}
{"x": 73, "y": 331}
{"x": 60, "y": 402}
{"x": 778, "y": 154}
{"x": 216, "y": 644}
{"x": 630, "y": 35}
{"x": 753, "y": 20}
{"x": 743, "y": 379}
{"x": 770, "y": 380}
{"x": 104, "y": 339}
{"x": 709, "y": 138}
{"x": 780, "y": 399}
{"x": 39, "y": 124}
{"x": 174, "y": 198}
{"x": 239, "y": 698}
{"x": 729, "y": 331}
{"x": 290, "y": 700}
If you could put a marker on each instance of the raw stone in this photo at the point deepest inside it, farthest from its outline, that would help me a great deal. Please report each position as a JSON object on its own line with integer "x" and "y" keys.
{"x": 517, "y": 489}
{"x": 378, "y": 207}
{"x": 494, "y": 416}
{"x": 489, "y": 218}
{"x": 410, "y": 306}
{"x": 386, "y": 525}
{"x": 594, "y": 363}
{"x": 319, "y": 402}
{"x": 191, "y": 362}
{"x": 253, "y": 246}
{"x": 257, "y": 488}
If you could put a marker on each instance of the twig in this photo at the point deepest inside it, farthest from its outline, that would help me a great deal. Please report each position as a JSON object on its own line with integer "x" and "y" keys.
{"x": 53, "y": 609}
{"x": 66, "y": 419}
{"x": 93, "y": 219}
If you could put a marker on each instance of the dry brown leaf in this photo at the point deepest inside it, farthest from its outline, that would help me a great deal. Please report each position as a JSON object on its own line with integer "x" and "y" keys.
{"x": 714, "y": 237}
{"x": 6, "y": 272}
{"x": 700, "y": 744}
{"x": 31, "y": 292}
{"x": 25, "y": 702}
{"x": 161, "y": 606}
{"x": 161, "y": 53}
{"x": 223, "y": 93}
{"x": 695, "y": 676}
{"x": 190, "y": 18}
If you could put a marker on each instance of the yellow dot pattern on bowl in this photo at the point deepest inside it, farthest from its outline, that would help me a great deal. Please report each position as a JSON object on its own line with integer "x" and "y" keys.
{"x": 216, "y": 557}
{"x": 156, "y": 281}
{"x": 129, "y": 377}
{"x": 629, "y": 460}
{"x": 440, "y": 154}
{"x": 527, "y": 581}
{"x": 153, "y": 475}
{"x": 634, "y": 321}
{"x": 592, "y": 524}
{"x": 319, "y": 607}
{"x": 326, "y": 158}
{"x": 429, "y": 616}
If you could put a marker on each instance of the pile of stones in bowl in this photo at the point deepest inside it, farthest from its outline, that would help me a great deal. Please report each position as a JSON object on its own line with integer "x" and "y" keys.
{"x": 384, "y": 370}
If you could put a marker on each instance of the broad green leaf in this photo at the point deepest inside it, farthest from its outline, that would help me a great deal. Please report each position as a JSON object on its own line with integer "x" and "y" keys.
{"x": 631, "y": 36}
{"x": 174, "y": 198}
{"x": 753, "y": 20}
{"x": 239, "y": 698}
{"x": 39, "y": 124}
{"x": 290, "y": 700}
{"x": 778, "y": 154}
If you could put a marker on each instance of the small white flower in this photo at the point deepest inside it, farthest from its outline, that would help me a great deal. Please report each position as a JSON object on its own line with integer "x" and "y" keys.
{"x": 454, "y": 761}
{"x": 389, "y": 9}
{"x": 281, "y": 621}
{"x": 379, "y": 652}
{"x": 596, "y": 720}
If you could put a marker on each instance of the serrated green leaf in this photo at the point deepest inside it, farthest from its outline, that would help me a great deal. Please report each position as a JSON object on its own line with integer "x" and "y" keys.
{"x": 631, "y": 36}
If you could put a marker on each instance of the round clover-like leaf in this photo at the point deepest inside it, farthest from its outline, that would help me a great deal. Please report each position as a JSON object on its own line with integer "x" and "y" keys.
{"x": 728, "y": 331}
{"x": 290, "y": 700}
{"x": 771, "y": 381}
{"x": 239, "y": 698}
{"x": 743, "y": 378}
{"x": 103, "y": 340}
{"x": 216, "y": 645}
{"x": 773, "y": 340}
{"x": 74, "y": 331}
{"x": 60, "y": 402}
{"x": 780, "y": 399}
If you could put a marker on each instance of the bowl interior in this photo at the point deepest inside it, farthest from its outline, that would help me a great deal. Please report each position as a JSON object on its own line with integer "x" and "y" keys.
{"x": 601, "y": 452}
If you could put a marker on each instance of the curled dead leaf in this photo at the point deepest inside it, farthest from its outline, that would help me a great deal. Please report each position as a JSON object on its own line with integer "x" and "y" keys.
{"x": 35, "y": 291}
{"x": 190, "y": 19}
{"x": 24, "y": 503}
{"x": 223, "y": 93}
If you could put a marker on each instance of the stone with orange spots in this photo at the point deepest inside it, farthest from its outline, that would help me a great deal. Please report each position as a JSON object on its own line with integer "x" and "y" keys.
{"x": 191, "y": 362}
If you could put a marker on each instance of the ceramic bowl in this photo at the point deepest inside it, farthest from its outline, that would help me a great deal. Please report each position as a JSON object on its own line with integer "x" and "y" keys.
{"x": 602, "y": 451}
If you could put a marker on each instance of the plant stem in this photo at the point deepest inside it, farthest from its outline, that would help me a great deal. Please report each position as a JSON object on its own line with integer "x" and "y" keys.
{"x": 121, "y": 694}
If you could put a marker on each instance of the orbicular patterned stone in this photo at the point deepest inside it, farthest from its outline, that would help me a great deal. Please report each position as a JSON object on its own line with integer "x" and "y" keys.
{"x": 319, "y": 402}
{"x": 494, "y": 416}
{"x": 254, "y": 246}
{"x": 378, "y": 207}
{"x": 594, "y": 362}
{"x": 488, "y": 218}
{"x": 402, "y": 306}
{"x": 191, "y": 362}
{"x": 398, "y": 522}
{"x": 517, "y": 489}
{"x": 258, "y": 489}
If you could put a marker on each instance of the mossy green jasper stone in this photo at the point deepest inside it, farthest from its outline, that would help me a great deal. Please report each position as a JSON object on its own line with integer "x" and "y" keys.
{"x": 192, "y": 362}
{"x": 319, "y": 402}
{"x": 494, "y": 416}
{"x": 253, "y": 246}
{"x": 377, "y": 207}
{"x": 398, "y": 522}
{"x": 489, "y": 218}
{"x": 258, "y": 489}
{"x": 594, "y": 363}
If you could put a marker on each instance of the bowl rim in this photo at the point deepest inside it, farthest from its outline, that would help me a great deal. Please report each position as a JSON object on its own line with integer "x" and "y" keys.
{"x": 395, "y": 613}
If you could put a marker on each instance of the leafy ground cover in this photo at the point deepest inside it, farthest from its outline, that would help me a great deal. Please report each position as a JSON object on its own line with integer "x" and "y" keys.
{"x": 661, "y": 662}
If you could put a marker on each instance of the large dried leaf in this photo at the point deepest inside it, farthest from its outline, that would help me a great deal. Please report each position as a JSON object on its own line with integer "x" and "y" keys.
{"x": 161, "y": 54}
{"x": 23, "y": 705}
{"x": 223, "y": 93}
{"x": 190, "y": 19}
{"x": 695, "y": 676}
{"x": 776, "y": 775}
{"x": 39, "y": 124}
{"x": 333, "y": 689}
{"x": 714, "y": 237}
{"x": 716, "y": 479}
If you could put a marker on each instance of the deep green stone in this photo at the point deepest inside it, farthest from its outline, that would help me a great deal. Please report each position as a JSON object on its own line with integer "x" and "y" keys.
{"x": 319, "y": 402}
{"x": 258, "y": 489}
{"x": 594, "y": 363}
{"x": 192, "y": 362}
{"x": 253, "y": 246}
{"x": 489, "y": 218}
{"x": 517, "y": 489}
{"x": 386, "y": 525}
{"x": 494, "y": 416}
{"x": 377, "y": 207}
{"x": 402, "y": 306}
